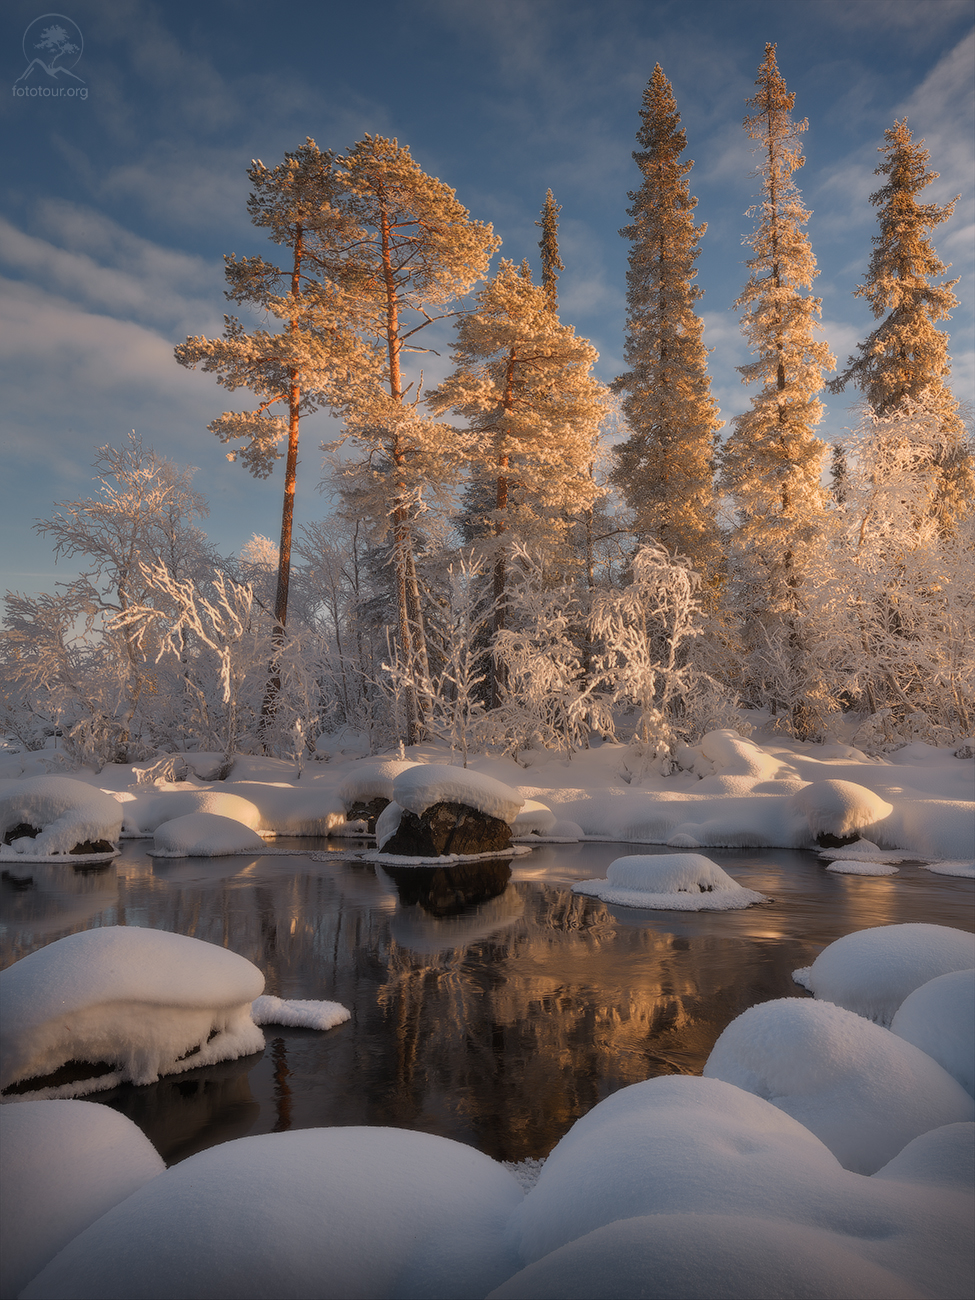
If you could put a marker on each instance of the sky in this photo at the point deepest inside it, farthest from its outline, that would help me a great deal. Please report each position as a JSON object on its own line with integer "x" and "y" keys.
{"x": 119, "y": 203}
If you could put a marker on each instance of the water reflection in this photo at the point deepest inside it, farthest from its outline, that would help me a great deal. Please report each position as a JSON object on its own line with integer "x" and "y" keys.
{"x": 489, "y": 1004}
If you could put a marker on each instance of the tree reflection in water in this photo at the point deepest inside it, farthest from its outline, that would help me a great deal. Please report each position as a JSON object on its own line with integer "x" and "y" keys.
{"x": 489, "y": 1003}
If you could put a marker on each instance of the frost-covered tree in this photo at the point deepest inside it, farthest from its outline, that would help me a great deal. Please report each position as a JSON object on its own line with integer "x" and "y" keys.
{"x": 665, "y": 468}
{"x": 524, "y": 382}
{"x": 772, "y": 462}
{"x": 549, "y": 246}
{"x": 414, "y": 253}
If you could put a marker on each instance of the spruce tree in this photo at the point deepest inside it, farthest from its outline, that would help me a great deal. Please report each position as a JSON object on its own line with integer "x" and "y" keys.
{"x": 772, "y": 461}
{"x": 666, "y": 467}
{"x": 549, "y": 246}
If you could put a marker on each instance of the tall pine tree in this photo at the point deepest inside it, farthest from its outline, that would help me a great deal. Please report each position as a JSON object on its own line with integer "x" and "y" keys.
{"x": 549, "y": 245}
{"x": 666, "y": 467}
{"x": 772, "y": 461}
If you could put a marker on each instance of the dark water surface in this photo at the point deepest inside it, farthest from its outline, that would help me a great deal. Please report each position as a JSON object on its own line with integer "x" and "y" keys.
{"x": 489, "y": 1003}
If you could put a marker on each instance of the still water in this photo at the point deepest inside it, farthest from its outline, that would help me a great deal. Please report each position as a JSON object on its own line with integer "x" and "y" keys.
{"x": 489, "y": 1003}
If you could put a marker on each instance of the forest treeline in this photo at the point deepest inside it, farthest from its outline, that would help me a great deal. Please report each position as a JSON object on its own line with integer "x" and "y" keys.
{"x": 497, "y": 572}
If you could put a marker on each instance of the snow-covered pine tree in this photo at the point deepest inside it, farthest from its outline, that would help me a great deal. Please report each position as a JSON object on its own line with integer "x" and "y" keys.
{"x": 906, "y": 356}
{"x": 772, "y": 462}
{"x": 415, "y": 250}
{"x": 665, "y": 468}
{"x": 523, "y": 381}
{"x": 549, "y": 245}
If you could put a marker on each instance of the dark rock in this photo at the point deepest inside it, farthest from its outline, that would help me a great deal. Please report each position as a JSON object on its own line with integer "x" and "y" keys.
{"x": 23, "y": 830}
{"x": 92, "y": 846}
{"x": 366, "y": 811}
{"x": 448, "y": 828}
{"x": 826, "y": 840}
{"x": 445, "y": 891}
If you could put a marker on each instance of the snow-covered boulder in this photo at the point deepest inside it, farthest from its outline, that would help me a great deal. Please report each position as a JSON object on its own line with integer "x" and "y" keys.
{"x": 872, "y": 971}
{"x": 338, "y": 1212}
{"x": 534, "y": 818}
{"x": 62, "y": 1165}
{"x": 204, "y": 835}
{"x": 147, "y": 815}
{"x": 838, "y": 811}
{"x": 679, "y": 882}
{"x": 939, "y": 1018}
{"x": 862, "y": 1090}
{"x": 122, "y": 1004}
{"x": 46, "y": 816}
{"x": 371, "y": 781}
{"x": 425, "y": 784}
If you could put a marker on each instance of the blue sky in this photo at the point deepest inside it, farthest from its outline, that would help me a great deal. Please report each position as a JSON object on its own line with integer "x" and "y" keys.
{"x": 117, "y": 209}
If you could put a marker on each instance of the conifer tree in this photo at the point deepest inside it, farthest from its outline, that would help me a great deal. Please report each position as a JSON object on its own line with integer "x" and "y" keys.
{"x": 772, "y": 461}
{"x": 523, "y": 380}
{"x": 549, "y": 245}
{"x": 666, "y": 467}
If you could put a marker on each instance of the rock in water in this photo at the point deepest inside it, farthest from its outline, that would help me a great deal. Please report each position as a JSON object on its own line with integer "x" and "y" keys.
{"x": 447, "y": 828}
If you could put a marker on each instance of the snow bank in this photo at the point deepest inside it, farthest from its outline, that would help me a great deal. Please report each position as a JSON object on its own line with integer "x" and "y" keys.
{"x": 371, "y": 780}
{"x": 872, "y": 971}
{"x": 145, "y": 816}
{"x": 839, "y": 808}
{"x": 312, "y": 809}
{"x": 62, "y": 1165}
{"x": 425, "y": 784}
{"x": 933, "y": 828}
{"x": 140, "y": 1002}
{"x": 66, "y": 812}
{"x": 939, "y": 1018}
{"x": 204, "y": 835}
{"x": 303, "y": 1014}
{"x": 682, "y": 882}
{"x": 341, "y": 1212}
{"x": 862, "y": 1090}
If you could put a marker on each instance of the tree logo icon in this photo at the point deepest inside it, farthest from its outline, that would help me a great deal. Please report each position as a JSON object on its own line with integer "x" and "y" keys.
{"x": 53, "y": 44}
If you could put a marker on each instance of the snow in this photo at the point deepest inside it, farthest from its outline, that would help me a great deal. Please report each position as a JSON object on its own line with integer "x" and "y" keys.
{"x": 146, "y": 1002}
{"x": 62, "y": 1165}
{"x": 204, "y": 835}
{"x": 146, "y": 815}
{"x": 304, "y": 809}
{"x": 872, "y": 971}
{"x": 387, "y": 823}
{"x": 840, "y": 808}
{"x": 857, "y": 867}
{"x": 302, "y": 1013}
{"x": 423, "y": 785}
{"x": 682, "y": 882}
{"x": 939, "y": 1018}
{"x": 67, "y": 812}
{"x": 339, "y": 1212}
{"x": 534, "y": 819}
{"x": 861, "y": 1089}
{"x": 371, "y": 780}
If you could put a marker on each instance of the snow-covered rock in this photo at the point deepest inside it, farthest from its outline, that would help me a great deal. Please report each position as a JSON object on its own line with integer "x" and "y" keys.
{"x": 62, "y": 1165}
{"x": 371, "y": 780}
{"x": 136, "y": 1003}
{"x": 683, "y": 882}
{"x": 839, "y": 808}
{"x": 339, "y": 1212}
{"x": 939, "y": 1018}
{"x": 872, "y": 971}
{"x": 387, "y": 823}
{"x": 67, "y": 813}
{"x": 425, "y": 784}
{"x": 862, "y": 1090}
{"x": 204, "y": 835}
{"x": 534, "y": 819}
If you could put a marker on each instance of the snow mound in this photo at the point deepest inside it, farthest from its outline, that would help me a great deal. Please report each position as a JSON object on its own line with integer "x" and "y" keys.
{"x": 858, "y": 867}
{"x": 387, "y": 823}
{"x": 964, "y": 870}
{"x": 534, "y": 818}
{"x": 425, "y": 784}
{"x": 943, "y": 1158}
{"x": 340, "y": 1212}
{"x": 371, "y": 781}
{"x": 304, "y": 1014}
{"x": 862, "y": 1090}
{"x": 289, "y": 810}
{"x": 726, "y": 753}
{"x": 135, "y": 1003}
{"x": 685, "y": 1257}
{"x": 204, "y": 835}
{"x": 66, "y": 812}
{"x": 933, "y": 828}
{"x": 62, "y": 1165}
{"x": 685, "y": 882}
{"x": 147, "y": 815}
{"x": 563, "y": 829}
{"x": 872, "y": 971}
{"x": 939, "y": 1018}
{"x": 839, "y": 808}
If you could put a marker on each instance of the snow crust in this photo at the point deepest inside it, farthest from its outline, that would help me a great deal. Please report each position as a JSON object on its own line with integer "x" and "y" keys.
{"x": 861, "y": 1089}
{"x": 423, "y": 785}
{"x": 147, "y": 1002}
{"x": 68, "y": 812}
{"x": 681, "y": 882}
{"x": 302, "y": 1013}
{"x": 203, "y": 835}
{"x": 872, "y": 971}
{"x": 340, "y": 1212}
{"x": 62, "y": 1165}
{"x": 939, "y": 1018}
